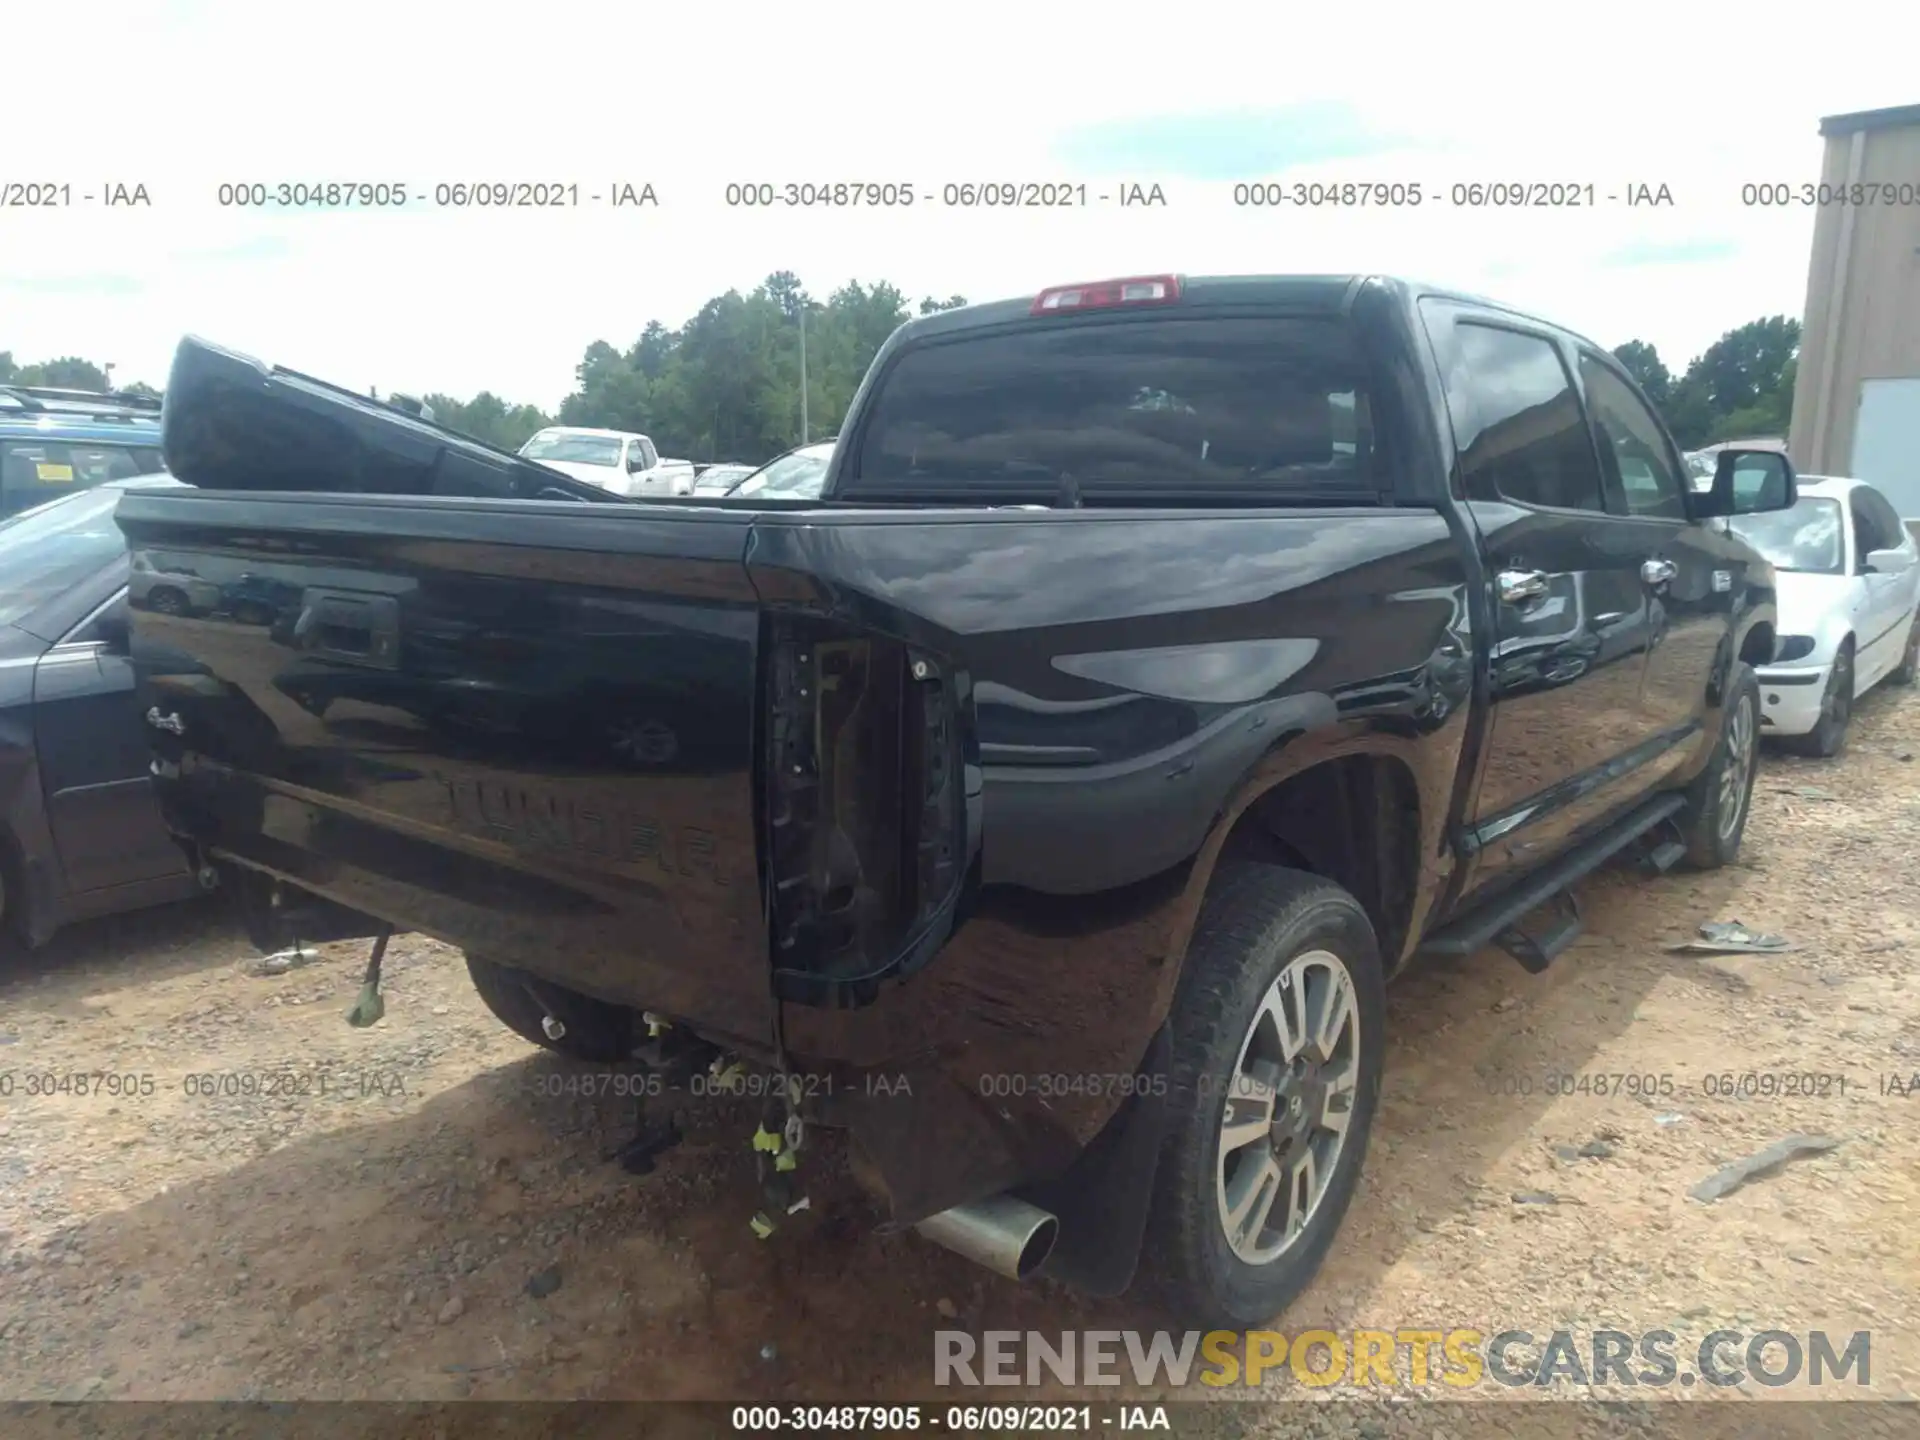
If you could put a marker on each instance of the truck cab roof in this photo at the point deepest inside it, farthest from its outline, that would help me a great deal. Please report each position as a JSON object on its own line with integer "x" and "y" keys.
{"x": 1299, "y": 294}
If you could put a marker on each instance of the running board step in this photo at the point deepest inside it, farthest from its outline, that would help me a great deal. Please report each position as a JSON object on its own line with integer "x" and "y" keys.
{"x": 1487, "y": 924}
{"x": 1535, "y": 953}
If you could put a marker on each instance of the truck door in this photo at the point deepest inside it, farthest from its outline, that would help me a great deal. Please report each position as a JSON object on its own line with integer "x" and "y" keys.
{"x": 1572, "y": 738}
{"x": 1688, "y": 576}
{"x": 93, "y": 760}
{"x": 1883, "y": 627}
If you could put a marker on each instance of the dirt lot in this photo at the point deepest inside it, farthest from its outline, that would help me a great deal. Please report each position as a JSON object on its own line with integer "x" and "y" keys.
{"x": 440, "y": 1223}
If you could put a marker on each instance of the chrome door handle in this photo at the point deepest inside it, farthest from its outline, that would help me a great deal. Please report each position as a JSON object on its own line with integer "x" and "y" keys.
{"x": 1517, "y": 587}
{"x": 1658, "y": 572}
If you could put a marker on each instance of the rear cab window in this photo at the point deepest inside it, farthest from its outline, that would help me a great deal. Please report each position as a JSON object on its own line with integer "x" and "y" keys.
{"x": 1146, "y": 410}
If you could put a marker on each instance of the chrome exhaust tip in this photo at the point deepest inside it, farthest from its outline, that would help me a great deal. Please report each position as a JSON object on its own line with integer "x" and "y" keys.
{"x": 1008, "y": 1236}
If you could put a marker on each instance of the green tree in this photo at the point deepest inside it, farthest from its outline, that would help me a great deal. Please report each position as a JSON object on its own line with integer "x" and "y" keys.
{"x": 1739, "y": 387}
{"x": 1643, "y": 363}
{"x": 68, "y": 373}
{"x": 488, "y": 418}
{"x": 931, "y": 306}
{"x": 1744, "y": 368}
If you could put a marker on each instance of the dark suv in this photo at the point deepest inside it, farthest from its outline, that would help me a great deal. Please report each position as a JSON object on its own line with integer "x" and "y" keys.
{"x": 53, "y": 442}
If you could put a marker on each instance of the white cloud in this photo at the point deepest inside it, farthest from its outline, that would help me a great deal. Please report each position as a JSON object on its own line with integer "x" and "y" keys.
{"x": 691, "y": 98}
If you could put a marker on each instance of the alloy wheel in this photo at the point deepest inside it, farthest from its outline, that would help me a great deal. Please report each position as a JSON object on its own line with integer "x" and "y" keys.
{"x": 1738, "y": 767}
{"x": 1288, "y": 1107}
{"x": 1837, "y": 704}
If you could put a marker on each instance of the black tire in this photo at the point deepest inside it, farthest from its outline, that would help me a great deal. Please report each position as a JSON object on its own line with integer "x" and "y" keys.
{"x": 595, "y": 1030}
{"x": 1828, "y": 738}
{"x": 11, "y": 916}
{"x": 1257, "y": 920}
{"x": 1909, "y": 670}
{"x": 1715, "y": 819}
{"x": 165, "y": 600}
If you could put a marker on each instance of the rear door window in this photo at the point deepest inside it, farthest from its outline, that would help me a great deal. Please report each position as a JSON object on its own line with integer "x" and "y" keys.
{"x": 35, "y": 471}
{"x": 1879, "y": 527}
{"x": 1161, "y": 411}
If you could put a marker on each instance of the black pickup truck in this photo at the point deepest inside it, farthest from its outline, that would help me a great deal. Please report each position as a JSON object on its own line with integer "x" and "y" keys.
{"x": 1167, "y": 665}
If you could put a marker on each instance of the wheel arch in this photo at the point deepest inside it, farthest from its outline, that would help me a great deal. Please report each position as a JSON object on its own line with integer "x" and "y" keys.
{"x": 1365, "y": 810}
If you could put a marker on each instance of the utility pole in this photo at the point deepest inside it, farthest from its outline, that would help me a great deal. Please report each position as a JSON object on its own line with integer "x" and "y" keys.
{"x": 803, "y": 369}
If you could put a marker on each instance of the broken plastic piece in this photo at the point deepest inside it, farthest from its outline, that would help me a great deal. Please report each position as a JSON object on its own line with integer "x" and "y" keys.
{"x": 1730, "y": 938}
{"x": 368, "y": 1009}
{"x": 281, "y": 961}
{"x": 1760, "y": 1164}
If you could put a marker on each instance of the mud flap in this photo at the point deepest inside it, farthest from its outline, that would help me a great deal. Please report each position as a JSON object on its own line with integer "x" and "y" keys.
{"x": 1104, "y": 1200}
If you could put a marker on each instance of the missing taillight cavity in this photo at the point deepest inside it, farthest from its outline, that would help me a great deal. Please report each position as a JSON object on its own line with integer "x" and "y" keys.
{"x": 862, "y": 806}
{"x": 834, "y": 818}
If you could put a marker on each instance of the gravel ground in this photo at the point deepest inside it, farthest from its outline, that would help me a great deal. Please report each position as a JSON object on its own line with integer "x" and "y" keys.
{"x": 422, "y": 1211}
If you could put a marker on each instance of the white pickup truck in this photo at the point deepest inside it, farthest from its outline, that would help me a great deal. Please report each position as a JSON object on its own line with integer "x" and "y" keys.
{"x": 621, "y": 461}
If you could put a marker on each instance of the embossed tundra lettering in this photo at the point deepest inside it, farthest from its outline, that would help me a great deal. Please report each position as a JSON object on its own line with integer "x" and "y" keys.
{"x": 540, "y": 821}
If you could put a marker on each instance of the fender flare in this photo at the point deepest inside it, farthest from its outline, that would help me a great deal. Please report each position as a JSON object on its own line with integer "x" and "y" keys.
{"x": 1291, "y": 757}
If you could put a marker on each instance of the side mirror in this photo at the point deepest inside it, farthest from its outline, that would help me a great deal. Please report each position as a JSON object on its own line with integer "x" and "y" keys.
{"x": 114, "y": 631}
{"x": 1889, "y": 562}
{"x": 1748, "y": 482}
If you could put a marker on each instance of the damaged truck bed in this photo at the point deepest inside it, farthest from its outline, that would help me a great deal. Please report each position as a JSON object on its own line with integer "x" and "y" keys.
{"x": 1051, "y": 802}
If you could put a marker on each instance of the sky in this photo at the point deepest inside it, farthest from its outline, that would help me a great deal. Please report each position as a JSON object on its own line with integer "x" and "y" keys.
{"x": 182, "y": 98}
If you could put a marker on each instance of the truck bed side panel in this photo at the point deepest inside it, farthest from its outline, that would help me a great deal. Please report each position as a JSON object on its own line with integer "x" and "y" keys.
{"x": 1134, "y": 678}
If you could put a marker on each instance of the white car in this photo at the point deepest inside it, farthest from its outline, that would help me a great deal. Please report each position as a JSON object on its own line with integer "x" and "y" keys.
{"x": 797, "y": 475}
{"x": 1849, "y": 586}
{"x": 622, "y": 461}
{"x": 720, "y": 479}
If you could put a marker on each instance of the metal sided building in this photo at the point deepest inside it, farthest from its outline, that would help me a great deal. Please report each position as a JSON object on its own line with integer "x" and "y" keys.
{"x": 1856, "y": 399}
